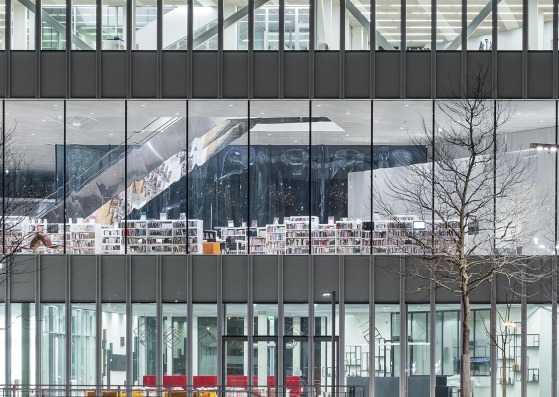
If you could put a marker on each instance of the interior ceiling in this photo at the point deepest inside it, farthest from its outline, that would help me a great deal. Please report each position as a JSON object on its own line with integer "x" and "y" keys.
{"x": 39, "y": 126}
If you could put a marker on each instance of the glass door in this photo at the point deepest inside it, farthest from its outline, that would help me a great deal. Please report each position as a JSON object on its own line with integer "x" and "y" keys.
{"x": 235, "y": 361}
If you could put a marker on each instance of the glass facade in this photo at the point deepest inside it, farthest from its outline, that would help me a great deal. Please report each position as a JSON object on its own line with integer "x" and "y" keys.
{"x": 266, "y": 177}
{"x": 417, "y": 26}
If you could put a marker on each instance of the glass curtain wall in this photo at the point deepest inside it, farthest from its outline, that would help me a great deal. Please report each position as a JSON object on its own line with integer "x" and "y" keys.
{"x": 388, "y": 25}
{"x": 23, "y": 22}
{"x": 418, "y": 25}
{"x": 296, "y": 346}
{"x": 296, "y": 26}
{"x": 144, "y": 331}
{"x": 145, "y": 25}
{"x": 357, "y": 25}
{"x": 387, "y": 349}
{"x": 53, "y": 368}
{"x": 205, "y": 339}
{"x": 23, "y": 329}
{"x": 174, "y": 339}
{"x": 175, "y": 24}
{"x": 113, "y": 346}
{"x": 205, "y": 25}
{"x": 83, "y": 344}
{"x": 114, "y": 25}
{"x": 235, "y": 25}
{"x": 53, "y": 25}
{"x": 509, "y": 25}
{"x": 479, "y": 21}
{"x": 449, "y": 25}
{"x": 266, "y": 26}
{"x": 327, "y": 24}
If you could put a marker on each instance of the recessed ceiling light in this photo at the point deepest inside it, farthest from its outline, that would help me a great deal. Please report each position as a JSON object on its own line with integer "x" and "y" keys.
{"x": 55, "y": 105}
{"x": 319, "y": 105}
{"x": 269, "y": 134}
{"x": 295, "y": 141}
{"x": 230, "y": 105}
{"x": 346, "y": 134}
{"x": 376, "y": 121}
{"x": 44, "y": 120}
{"x": 177, "y": 113}
{"x": 91, "y": 113}
{"x": 348, "y": 113}
{"x": 111, "y": 134}
{"x": 33, "y": 134}
{"x": 406, "y": 105}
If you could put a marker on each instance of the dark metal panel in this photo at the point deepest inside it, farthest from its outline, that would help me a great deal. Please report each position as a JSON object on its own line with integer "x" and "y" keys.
{"x": 2, "y": 74}
{"x": 23, "y": 279}
{"x": 204, "y": 74}
{"x": 144, "y": 74}
{"x": 387, "y": 279}
{"x": 326, "y": 275}
{"x": 53, "y": 273}
{"x": 357, "y": 74}
{"x": 265, "y": 277}
{"x": 478, "y": 61}
{"x": 356, "y": 279}
{"x": 540, "y": 74}
{"x": 204, "y": 278}
{"x": 387, "y": 74}
{"x": 540, "y": 291}
{"x": 235, "y": 74}
{"x": 84, "y": 70}
{"x": 295, "y": 278}
{"x": 327, "y": 74}
{"x": 174, "y": 273}
{"x": 266, "y": 74}
{"x": 83, "y": 278}
{"x": 509, "y": 74}
{"x": 508, "y": 290}
{"x": 418, "y": 74}
{"x": 448, "y": 72}
{"x": 143, "y": 278}
{"x": 113, "y": 74}
{"x": 296, "y": 76}
{"x": 235, "y": 278}
{"x": 53, "y": 74}
{"x": 417, "y": 288}
{"x": 22, "y": 74}
{"x": 113, "y": 278}
{"x": 175, "y": 66}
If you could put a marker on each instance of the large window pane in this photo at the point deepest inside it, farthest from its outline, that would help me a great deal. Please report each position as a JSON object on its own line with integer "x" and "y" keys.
{"x": 95, "y": 188}
{"x": 218, "y": 169}
{"x": 341, "y": 177}
{"x": 204, "y": 329}
{"x": 145, "y": 25}
{"x": 53, "y": 25}
{"x": 3, "y": 25}
{"x": 83, "y": 344}
{"x": 144, "y": 324}
{"x": 358, "y": 19}
{"x": 540, "y": 25}
{"x": 34, "y": 185}
{"x": 156, "y": 177}
{"x": 235, "y": 25}
{"x": 205, "y": 25}
{"x": 357, "y": 334}
{"x": 296, "y": 27}
{"x": 449, "y": 24}
{"x": 296, "y": 330}
{"x": 174, "y": 339}
{"x": 539, "y": 348}
{"x": 23, "y": 22}
{"x": 418, "y": 25}
{"x": 175, "y": 24}
{"x": 22, "y": 327}
{"x": 388, "y": 25}
{"x": 84, "y": 25}
{"x": 327, "y": 34}
{"x": 387, "y": 348}
{"x": 509, "y": 25}
{"x": 402, "y": 134}
{"x": 279, "y": 158}
{"x": 53, "y": 367}
{"x": 113, "y": 348}
{"x": 266, "y": 26}
{"x": 114, "y": 25}
{"x": 479, "y": 22}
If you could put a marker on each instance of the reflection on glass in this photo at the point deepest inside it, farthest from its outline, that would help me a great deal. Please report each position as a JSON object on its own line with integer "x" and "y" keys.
{"x": 447, "y": 339}
{"x": 234, "y": 316}
{"x": 449, "y": 24}
{"x": 218, "y": 159}
{"x": 479, "y": 22}
{"x": 509, "y": 25}
{"x": 205, "y": 333}
{"x": 387, "y": 347}
{"x": 266, "y": 26}
{"x": 83, "y": 344}
{"x": 296, "y": 26}
{"x": 295, "y": 350}
{"x": 279, "y": 160}
{"x": 22, "y": 328}
{"x": 235, "y": 25}
{"x": 358, "y": 18}
{"x": 23, "y": 22}
{"x": 327, "y": 24}
{"x": 53, "y": 25}
{"x": 418, "y": 25}
{"x": 265, "y": 363}
{"x": 84, "y": 25}
{"x": 388, "y": 25}
{"x": 539, "y": 348}
{"x": 540, "y": 25}
{"x": 53, "y": 344}
{"x": 113, "y": 348}
{"x": 341, "y": 177}
{"x": 144, "y": 324}
{"x": 205, "y": 25}
{"x": 145, "y": 25}
{"x": 3, "y": 25}
{"x": 356, "y": 341}
{"x": 265, "y": 319}
{"x": 174, "y": 339}
{"x": 508, "y": 342}
{"x": 156, "y": 164}
{"x": 418, "y": 349}
{"x": 95, "y": 187}
{"x": 114, "y": 25}
{"x": 175, "y": 24}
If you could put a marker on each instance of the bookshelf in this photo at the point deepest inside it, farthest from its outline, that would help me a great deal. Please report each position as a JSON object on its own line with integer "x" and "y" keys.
{"x": 275, "y": 239}
{"x": 323, "y": 238}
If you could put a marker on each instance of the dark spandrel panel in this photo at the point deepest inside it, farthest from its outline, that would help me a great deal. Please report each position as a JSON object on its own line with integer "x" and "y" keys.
{"x": 83, "y": 272}
{"x": 53, "y": 278}
{"x": 53, "y": 74}
{"x": 114, "y": 278}
{"x": 235, "y": 74}
{"x": 327, "y": 74}
{"x": 509, "y": 75}
{"x": 174, "y": 74}
{"x": 387, "y": 74}
{"x": 204, "y": 278}
{"x": 113, "y": 74}
{"x": 235, "y": 276}
{"x": 266, "y": 76}
{"x": 144, "y": 74}
{"x": 296, "y": 278}
{"x": 143, "y": 278}
{"x": 204, "y": 74}
{"x": 296, "y": 74}
{"x": 448, "y": 72}
{"x": 22, "y": 74}
{"x": 418, "y": 74}
{"x": 540, "y": 73}
{"x": 84, "y": 78}
{"x": 265, "y": 278}
{"x": 24, "y": 278}
{"x": 357, "y": 74}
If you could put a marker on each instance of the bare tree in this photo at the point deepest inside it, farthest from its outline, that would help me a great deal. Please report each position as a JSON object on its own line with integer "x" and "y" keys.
{"x": 476, "y": 194}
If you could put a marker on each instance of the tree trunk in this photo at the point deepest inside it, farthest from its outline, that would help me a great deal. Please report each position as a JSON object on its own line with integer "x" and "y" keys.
{"x": 504, "y": 369}
{"x": 465, "y": 377}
